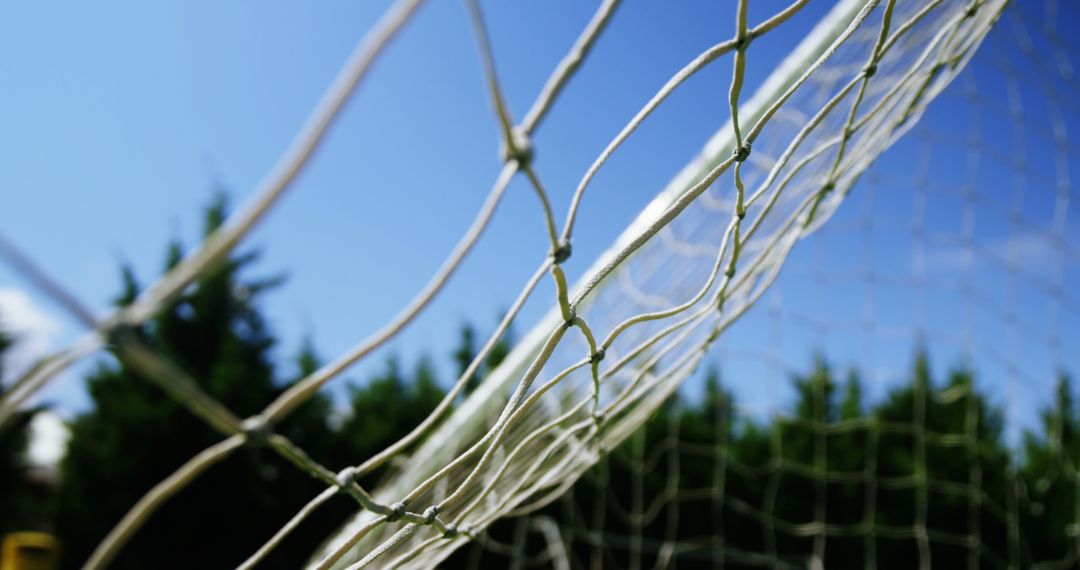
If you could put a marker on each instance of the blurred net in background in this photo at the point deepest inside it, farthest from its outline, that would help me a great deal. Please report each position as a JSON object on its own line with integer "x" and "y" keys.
{"x": 955, "y": 242}
{"x": 900, "y": 397}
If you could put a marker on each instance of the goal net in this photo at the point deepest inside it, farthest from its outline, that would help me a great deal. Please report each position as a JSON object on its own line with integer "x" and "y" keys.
{"x": 833, "y": 210}
{"x": 899, "y": 397}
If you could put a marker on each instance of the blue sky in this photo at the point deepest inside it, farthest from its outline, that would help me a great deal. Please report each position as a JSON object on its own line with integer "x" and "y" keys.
{"x": 120, "y": 119}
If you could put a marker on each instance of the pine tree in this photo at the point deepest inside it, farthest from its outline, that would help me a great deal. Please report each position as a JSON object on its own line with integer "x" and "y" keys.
{"x": 941, "y": 450}
{"x": 385, "y": 408}
{"x": 134, "y": 435}
{"x": 466, "y": 350}
{"x": 16, "y": 494}
{"x": 1050, "y": 472}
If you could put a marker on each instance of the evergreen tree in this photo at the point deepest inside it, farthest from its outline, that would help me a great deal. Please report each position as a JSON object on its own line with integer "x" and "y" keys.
{"x": 1050, "y": 471}
{"x": 466, "y": 350}
{"x": 17, "y": 508}
{"x": 384, "y": 409}
{"x": 134, "y": 435}
{"x": 464, "y": 354}
{"x": 930, "y": 456}
{"x": 941, "y": 451}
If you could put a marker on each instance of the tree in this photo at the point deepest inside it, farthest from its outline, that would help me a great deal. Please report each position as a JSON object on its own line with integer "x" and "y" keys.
{"x": 1050, "y": 471}
{"x": 20, "y": 512}
{"x": 465, "y": 352}
{"x": 385, "y": 408}
{"x": 134, "y": 435}
{"x": 930, "y": 454}
{"x": 941, "y": 449}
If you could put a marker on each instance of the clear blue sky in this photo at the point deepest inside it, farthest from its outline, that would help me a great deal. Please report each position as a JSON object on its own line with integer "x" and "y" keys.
{"x": 120, "y": 119}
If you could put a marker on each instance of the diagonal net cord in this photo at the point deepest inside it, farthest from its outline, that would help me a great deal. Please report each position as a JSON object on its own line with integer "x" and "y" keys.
{"x": 820, "y": 507}
{"x": 257, "y": 429}
{"x": 560, "y": 442}
{"x": 545, "y": 437}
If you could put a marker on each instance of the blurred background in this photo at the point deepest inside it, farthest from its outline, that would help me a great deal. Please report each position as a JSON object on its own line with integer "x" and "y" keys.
{"x": 132, "y": 129}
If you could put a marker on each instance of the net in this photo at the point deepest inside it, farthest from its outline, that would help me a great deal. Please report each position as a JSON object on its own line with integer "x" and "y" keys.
{"x": 641, "y": 319}
{"x": 940, "y": 293}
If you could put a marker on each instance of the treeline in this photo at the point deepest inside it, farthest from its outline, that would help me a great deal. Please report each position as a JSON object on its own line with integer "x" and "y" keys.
{"x": 896, "y": 481}
{"x": 922, "y": 476}
{"x": 133, "y": 435}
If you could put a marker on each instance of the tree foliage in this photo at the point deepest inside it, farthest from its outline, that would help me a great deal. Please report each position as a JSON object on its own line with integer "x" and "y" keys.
{"x": 900, "y": 481}
{"x": 17, "y": 495}
{"x": 930, "y": 455}
{"x": 134, "y": 435}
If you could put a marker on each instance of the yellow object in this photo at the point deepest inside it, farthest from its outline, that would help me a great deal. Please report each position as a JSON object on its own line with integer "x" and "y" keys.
{"x": 29, "y": 551}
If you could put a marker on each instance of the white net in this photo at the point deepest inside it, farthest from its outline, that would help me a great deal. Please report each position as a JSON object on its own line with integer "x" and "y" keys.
{"x": 941, "y": 293}
{"x": 620, "y": 343}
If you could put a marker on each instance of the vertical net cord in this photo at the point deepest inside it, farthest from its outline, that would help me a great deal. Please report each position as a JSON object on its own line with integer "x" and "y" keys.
{"x": 870, "y": 458}
{"x": 972, "y": 419}
{"x": 1056, "y": 307}
{"x": 920, "y": 394}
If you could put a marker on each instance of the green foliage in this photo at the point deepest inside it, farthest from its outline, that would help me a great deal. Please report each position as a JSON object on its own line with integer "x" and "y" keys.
{"x": 17, "y": 506}
{"x": 1052, "y": 456}
{"x": 14, "y": 487}
{"x": 134, "y": 435}
{"x": 465, "y": 352}
{"x": 386, "y": 408}
{"x": 930, "y": 455}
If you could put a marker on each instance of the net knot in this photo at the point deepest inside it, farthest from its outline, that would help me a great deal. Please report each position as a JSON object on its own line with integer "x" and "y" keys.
{"x": 742, "y": 153}
{"x": 345, "y": 477}
{"x": 972, "y": 9}
{"x": 117, "y": 331}
{"x": 562, "y": 253}
{"x": 597, "y": 356}
{"x": 569, "y": 322}
{"x": 430, "y": 513}
{"x": 870, "y": 70}
{"x": 730, "y": 273}
{"x": 397, "y": 510}
{"x": 743, "y": 41}
{"x": 519, "y": 148}
{"x": 450, "y": 532}
{"x": 256, "y": 429}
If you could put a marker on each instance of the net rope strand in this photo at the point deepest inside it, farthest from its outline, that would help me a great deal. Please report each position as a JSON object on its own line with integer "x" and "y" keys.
{"x": 579, "y": 49}
{"x": 574, "y": 402}
{"x": 924, "y": 538}
{"x": 403, "y": 534}
{"x": 307, "y": 386}
{"x": 218, "y": 245}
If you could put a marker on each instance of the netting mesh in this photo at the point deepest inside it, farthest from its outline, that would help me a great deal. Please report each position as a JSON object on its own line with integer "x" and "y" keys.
{"x": 642, "y": 318}
{"x": 957, "y": 245}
